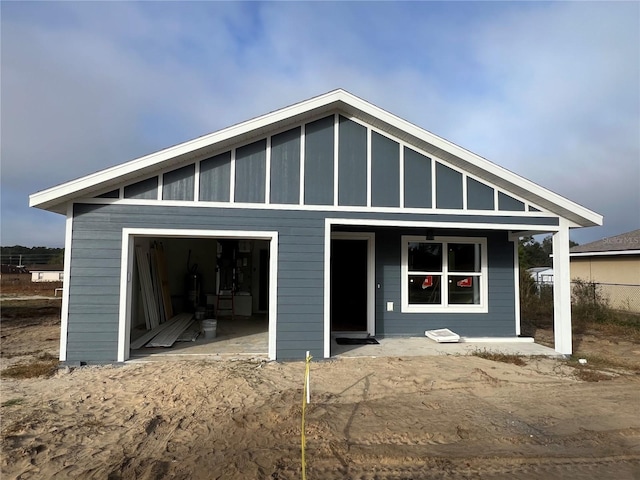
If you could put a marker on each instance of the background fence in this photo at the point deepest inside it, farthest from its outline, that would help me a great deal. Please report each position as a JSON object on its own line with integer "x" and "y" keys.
{"x": 616, "y": 295}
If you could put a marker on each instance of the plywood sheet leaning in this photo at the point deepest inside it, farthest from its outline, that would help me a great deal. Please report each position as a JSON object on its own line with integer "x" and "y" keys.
{"x": 164, "y": 280}
{"x": 148, "y": 299}
{"x": 155, "y": 283}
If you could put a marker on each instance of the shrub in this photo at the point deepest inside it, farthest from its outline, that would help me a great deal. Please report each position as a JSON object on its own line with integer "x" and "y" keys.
{"x": 589, "y": 304}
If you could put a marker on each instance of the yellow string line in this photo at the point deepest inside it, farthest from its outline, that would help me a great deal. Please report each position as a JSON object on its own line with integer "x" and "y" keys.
{"x": 303, "y": 439}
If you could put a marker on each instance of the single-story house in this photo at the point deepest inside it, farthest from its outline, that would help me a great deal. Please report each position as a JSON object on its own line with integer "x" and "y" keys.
{"x": 46, "y": 273}
{"x": 331, "y": 214}
{"x": 614, "y": 264}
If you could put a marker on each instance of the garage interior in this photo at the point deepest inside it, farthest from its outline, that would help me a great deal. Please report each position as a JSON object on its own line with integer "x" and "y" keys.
{"x": 211, "y": 294}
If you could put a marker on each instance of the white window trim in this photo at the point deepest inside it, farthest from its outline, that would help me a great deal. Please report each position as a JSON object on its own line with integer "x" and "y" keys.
{"x": 482, "y": 307}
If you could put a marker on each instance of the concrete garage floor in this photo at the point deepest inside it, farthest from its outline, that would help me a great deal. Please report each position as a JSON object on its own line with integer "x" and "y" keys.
{"x": 240, "y": 337}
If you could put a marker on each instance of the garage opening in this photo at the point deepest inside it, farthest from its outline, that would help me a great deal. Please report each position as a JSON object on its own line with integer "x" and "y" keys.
{"x": 199, "y": 296}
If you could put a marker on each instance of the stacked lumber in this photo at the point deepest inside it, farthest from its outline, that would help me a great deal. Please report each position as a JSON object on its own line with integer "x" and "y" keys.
{"x": 166, "y": 334}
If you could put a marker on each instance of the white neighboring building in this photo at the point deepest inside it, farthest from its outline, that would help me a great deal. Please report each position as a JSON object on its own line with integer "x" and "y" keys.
{"x": 47, "y": 275}
{"x": 541, "y": 275}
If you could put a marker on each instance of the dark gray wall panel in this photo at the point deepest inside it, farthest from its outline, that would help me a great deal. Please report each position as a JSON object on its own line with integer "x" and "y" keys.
{"x": 285, "y": 167}
{"x": 251, "y": 172}
{"x": 178, "y": 184}
{"x": 318, "y": 163}
{"x": 112, "y": 194}
{"x": 352, "y": 163}
{"x": 479, "y": 195}
{"x": 215, "y": 173}
{"x": 448, "y": 187}
{"x": 385, "y": 171}
{"x": 144, "y": 190}
{"x": 417, "y": 179}
{"x": 507, "y": 203}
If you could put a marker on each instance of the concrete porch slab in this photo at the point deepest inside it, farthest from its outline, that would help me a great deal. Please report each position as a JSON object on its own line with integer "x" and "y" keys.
{"x": 423, "y": 346}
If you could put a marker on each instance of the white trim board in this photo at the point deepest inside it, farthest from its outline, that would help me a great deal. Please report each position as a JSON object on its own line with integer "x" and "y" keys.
{"x": 607, "y": 253}
{"x": 128, "y": 239}
{"x": 64, "y": 313}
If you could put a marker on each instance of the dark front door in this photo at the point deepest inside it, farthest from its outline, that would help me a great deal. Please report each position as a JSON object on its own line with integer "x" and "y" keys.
{"x": 349, "y": 285}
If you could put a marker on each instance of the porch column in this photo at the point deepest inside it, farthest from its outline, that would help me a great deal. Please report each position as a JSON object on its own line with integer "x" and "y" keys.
{"x": 561, "y": 290}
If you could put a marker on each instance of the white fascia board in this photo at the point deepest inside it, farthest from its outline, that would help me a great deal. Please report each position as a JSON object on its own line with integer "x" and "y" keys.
{"x": 607, "y": 253}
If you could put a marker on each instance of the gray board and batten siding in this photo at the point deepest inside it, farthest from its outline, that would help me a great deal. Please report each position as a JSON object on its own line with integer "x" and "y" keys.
{"x": 359, "y": 149}
{"x": 94, "y": 287}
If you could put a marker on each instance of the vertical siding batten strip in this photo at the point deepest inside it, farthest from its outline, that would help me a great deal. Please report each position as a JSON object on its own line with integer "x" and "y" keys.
{"x": 160, "y": 185}
{"x": 433, "y": 183}
{"x": 267, "y": 172}
{"x": 464, "y": 191}
{"x": 401, "y": 167}
{"x": 336, "y": 169}
{"x": 302, "y": 160}
{"x": 368, "y": 167}
{"x": 232, "y": 177}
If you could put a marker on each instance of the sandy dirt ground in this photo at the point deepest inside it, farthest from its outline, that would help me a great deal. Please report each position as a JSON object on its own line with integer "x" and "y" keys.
{"x": 445, "y": 417}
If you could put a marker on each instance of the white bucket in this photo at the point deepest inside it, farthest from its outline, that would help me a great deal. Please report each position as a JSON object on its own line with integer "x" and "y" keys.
{"x": 209, "y": 327}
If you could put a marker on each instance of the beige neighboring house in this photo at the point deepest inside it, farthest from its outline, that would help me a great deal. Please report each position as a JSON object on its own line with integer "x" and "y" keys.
{"x": 614, "y": 263}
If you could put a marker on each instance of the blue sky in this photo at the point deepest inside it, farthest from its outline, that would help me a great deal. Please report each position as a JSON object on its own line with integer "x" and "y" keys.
{"x": 549, "y": 90}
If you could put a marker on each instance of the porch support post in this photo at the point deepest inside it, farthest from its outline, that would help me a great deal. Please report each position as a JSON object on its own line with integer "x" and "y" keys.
{"x": 562, "y": 290}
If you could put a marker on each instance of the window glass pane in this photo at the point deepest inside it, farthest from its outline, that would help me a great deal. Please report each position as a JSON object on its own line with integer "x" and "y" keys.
{"x": 425, "y": 257}
{"x": 424, "y": 289}
{"x": 464, "y": 290}
{"x": 464, "y": 257}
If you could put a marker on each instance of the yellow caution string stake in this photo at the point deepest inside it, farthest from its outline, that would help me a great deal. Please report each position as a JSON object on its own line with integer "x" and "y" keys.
{"x": 306, "y": 399}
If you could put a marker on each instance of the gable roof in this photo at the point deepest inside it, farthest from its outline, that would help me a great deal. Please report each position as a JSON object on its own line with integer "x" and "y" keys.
{"x": 623, "y": 244}
{"x": 56, "y": 198}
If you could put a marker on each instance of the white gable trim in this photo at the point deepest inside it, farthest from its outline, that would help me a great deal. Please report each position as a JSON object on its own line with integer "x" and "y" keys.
{"x": 328, "y": 103}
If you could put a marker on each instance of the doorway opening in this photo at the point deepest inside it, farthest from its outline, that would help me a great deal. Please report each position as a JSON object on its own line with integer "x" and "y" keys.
{"x": 349, "y": 285}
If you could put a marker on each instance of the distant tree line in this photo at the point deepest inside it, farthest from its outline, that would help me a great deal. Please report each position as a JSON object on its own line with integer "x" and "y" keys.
{"x": 535, "y": 254}
{"x": 18, "y": 254}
